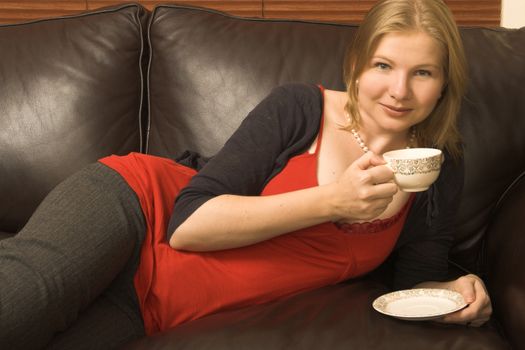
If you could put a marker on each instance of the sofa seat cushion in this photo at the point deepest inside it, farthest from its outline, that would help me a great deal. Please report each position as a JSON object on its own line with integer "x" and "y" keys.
{"x": 334, "y": 317}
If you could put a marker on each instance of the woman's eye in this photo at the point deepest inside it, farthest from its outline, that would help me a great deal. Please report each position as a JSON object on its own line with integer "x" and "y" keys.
{"x": 424, "y": 73}
{"x": 381, "y": 65}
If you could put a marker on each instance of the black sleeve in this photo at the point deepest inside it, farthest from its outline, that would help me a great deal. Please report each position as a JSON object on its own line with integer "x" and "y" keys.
{"x": 423, "y": 247}
{"x": 284, "y": 124}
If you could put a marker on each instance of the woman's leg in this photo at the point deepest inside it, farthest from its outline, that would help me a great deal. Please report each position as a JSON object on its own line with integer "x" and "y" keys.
{"x": 76, "y": 243}
{"x": 103, "y": 325}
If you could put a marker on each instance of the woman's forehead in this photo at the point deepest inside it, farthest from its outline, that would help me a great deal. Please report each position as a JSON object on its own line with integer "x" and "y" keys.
{"x": 415, "y": 47}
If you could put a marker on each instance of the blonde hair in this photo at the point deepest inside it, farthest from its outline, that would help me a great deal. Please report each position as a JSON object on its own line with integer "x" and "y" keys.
{"x": 434, "y": 18}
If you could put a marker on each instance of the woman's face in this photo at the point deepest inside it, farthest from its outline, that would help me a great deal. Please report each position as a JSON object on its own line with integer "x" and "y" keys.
{"x": 402, "y": 82}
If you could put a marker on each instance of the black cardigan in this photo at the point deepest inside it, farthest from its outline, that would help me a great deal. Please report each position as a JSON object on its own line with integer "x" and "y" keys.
{"x": 285, "y": 124}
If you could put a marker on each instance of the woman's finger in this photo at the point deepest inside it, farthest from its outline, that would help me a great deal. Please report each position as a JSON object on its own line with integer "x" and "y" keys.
{"x": 384, "y": 191}
{"x": 381, "y": 174}
{"x": 367, "y": 160}
{"x": 466, "y": 287}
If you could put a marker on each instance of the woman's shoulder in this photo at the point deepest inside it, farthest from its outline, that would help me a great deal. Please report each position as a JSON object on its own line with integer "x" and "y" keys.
{"x": 297, "y": 94}
{"x": 292, "y": 103}
{"x": 298, "y": 88}
{"x": 309, "y": 100}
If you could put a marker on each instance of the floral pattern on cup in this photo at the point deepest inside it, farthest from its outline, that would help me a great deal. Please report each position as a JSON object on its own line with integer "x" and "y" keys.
{"x": 415, "y": 166}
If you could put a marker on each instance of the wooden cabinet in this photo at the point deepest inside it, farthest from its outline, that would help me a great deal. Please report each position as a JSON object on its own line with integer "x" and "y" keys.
{"x": 466, "y": 12}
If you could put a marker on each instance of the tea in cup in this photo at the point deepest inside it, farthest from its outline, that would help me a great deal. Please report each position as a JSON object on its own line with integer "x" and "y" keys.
{"x": 415, "y": 169}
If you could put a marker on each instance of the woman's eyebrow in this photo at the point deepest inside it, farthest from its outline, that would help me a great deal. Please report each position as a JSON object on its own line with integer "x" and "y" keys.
{"x": 422, "y": 65}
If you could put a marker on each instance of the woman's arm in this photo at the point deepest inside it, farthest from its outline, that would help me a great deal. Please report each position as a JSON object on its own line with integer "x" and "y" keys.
{"x": 221, "y": 207}
{"x": 230, "y": 221}
{"x": 284, "y": 124}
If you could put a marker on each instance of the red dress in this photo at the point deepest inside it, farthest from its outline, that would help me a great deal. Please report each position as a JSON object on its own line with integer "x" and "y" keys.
{"x": 175, "y": 286}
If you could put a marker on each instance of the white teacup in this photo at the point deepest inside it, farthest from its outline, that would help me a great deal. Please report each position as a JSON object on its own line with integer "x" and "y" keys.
{"x": 415, "y": 169}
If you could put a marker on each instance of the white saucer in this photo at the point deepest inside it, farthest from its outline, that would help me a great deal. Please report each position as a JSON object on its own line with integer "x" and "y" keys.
{"x": 419, "y": 304}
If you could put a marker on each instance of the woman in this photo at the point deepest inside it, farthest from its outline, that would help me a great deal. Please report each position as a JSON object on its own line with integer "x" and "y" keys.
{"x": 298, "y": 198}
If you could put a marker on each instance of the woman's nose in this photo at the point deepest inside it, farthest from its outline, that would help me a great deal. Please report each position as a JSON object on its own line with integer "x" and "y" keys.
{"x": 399, "y": 88}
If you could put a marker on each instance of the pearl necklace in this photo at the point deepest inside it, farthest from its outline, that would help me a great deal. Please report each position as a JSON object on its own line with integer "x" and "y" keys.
{"x": 365, "y": 148}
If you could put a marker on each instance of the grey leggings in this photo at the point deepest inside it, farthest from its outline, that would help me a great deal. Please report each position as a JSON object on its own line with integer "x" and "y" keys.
{"x": 66, "y": 279}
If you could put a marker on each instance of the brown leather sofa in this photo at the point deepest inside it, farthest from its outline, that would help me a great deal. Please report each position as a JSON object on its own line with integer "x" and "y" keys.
{"x": 122, "y": 79}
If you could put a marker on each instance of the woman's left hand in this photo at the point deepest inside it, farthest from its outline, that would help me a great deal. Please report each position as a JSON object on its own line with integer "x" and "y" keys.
{"x": 479, "y": 307}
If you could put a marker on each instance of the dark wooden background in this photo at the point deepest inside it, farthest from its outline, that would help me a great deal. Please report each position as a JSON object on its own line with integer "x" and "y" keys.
{"x": 466, "y": 12}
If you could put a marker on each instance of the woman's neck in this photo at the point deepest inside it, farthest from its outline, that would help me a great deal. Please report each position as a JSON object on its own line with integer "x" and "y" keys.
{"x": 381, "y": 142}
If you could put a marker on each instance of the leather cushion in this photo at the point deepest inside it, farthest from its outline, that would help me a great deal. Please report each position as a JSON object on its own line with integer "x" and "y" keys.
{"x": 208, "y": 70}
{"x": 492, "y": 123}
{"x": 505, "y": 247}
{"x": 71, "y": 93}
{"x": 334, "y": 317}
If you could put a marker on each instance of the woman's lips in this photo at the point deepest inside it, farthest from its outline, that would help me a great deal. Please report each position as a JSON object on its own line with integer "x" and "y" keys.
{"x": 395, "y": 111}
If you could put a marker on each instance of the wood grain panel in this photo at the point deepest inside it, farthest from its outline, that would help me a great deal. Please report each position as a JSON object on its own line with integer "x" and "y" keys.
{"x": 466, "y": 12}
{"x": 343, "y": 11}
{"x": 476, "y": 12}
{"x": 27, "y": 10}
{"x": 245, "y": 8}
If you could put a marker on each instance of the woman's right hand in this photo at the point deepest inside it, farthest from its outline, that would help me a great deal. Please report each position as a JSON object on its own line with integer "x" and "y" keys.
{"x": 364, "y": 190}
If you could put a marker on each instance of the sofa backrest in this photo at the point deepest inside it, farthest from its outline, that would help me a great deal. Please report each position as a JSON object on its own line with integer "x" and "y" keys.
{"x": 207, "y": 70}
{"x": 73, "y": 91}
{"x": 70, "y": 92}
{"x": 492, "y": 123}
